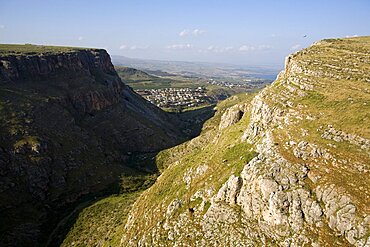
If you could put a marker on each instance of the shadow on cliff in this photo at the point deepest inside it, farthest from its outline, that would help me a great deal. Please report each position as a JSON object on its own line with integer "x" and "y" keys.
{"x": 71, "y": 131}
{"x": 143, "y": 174}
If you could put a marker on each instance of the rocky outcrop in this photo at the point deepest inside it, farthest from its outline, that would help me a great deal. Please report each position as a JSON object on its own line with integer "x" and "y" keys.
{"x": 340, "y": 136}
{"x": 230, "y": 191}
{"x": 232, "y": 116}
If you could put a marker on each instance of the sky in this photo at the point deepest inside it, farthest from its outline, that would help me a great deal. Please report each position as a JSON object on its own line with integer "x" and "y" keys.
{"x": 258, "y": 33}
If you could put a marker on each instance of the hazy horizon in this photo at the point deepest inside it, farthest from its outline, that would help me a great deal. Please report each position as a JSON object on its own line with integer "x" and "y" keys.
{"x": 234, "y": 32}
{"x": 200, "y": 62}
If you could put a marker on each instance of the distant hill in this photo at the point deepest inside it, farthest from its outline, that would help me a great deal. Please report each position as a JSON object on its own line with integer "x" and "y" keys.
{"x": 159, "y": 73}
{"x": 132, "y": 74}
{"x": 138, "y": 79}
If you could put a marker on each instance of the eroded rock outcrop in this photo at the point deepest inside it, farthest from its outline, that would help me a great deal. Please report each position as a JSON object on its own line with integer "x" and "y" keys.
{"x": 232, "y": 116}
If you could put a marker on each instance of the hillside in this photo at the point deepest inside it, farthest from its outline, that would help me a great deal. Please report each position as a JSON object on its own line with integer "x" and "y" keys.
{"x": 131, "y": 74}
{"x": 70, "y": 130}
{"x": 289, "y": 167}
{"x": 138, "y": 79}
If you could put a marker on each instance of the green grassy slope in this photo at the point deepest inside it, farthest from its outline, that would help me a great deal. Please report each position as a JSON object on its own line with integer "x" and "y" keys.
{"x": 223, "y": 156}
{"x": 205, "y": 162}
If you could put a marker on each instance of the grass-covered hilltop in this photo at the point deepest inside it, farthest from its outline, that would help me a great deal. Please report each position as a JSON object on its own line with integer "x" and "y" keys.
{"x": 30, "y": 49}
{"x": 288, "y": 166}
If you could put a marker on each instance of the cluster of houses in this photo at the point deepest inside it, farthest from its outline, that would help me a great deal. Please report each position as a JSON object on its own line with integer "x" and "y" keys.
{"x": 176, "y": 97}
{"x": 245, "y": 83}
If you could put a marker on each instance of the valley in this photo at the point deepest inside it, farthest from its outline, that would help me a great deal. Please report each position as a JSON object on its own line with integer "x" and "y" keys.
{"x": 57, "y": 148}
{"x": 184, "y": 123}
{"x": 284, "y": 166}
{"x": 177, "y": 92}
{"x": 86, "y": 161}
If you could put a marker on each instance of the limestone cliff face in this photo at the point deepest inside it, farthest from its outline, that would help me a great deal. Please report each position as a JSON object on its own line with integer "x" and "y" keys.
{"x": 38, "y": 66}
{"x": 81, "y": 63}
{"x": 309, "y": 183}
{"x": 68, "y": 128}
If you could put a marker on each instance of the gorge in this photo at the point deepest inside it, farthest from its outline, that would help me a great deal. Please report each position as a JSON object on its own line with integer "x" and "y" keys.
{"x": 70, "y": 130}
{"x": 286, "y": 166}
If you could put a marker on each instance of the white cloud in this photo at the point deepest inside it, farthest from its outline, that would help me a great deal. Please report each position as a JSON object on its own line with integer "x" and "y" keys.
{"x": 194, "y": 32}
{"x": 133, "y": 47}
{"x": 217, "y": 49}
{"x": 245, "y": 48}
{"x": 197, "y": 32}
{"x": 250, "y": 48}
{"x": 184, "y": 33}
{"x": 295, "y": 47}
{"x": 180, "y": 46}
{"x": 2, "y": 26}
{"x": 80, "y": 38}
{"x": 264, "y": 47}
{"x": 352, "y": 36}
{"x": 136, "y": 47}
{"x": 212, "y": 48}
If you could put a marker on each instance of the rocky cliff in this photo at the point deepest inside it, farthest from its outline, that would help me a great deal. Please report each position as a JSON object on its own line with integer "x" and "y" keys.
{"x": 290, "y": 167}
{"x": 69, "y": 127}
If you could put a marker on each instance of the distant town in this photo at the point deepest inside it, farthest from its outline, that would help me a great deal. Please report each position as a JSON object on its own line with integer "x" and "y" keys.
{"x": 245, "y": 83}
{"x": 182, "y": 98}
{"x": 177, "y": 97}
